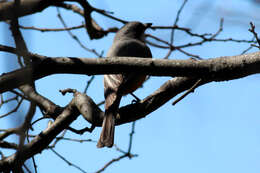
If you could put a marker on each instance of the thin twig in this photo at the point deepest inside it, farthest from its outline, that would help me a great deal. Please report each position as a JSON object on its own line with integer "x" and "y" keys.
{"x": 58, "y": 139}
{"x": 170, "y": 46}
{"x": 88, "y": 83}
{"x": 131, "y": 137}
{"x": 39, "y": 120}
{"x": 51, "y": 29}
{"x": 173, "y": 30}
{"x": 13, "y": 110}
{"x": 177, "y": 20}
{"x": 81, "y": 131}
{"x": 170, "y": 27}
{"x": 110, "y": 162}
{"x": 187, "y": 92}
{"x": 246, "y": 50}
{"x": 252, "y": 30}
{"x": 105, "y": 13}
{"x": 2, "y": 102}
{"x": 33, "y": 159}
{"x": 69, "y": 139}
{"x": 65, "y": 160}
{"x": 125, "y": 154}
{"x": 101, "y": 103}
{"x": 27, "y": 169}
{"x": 74, "y": 36}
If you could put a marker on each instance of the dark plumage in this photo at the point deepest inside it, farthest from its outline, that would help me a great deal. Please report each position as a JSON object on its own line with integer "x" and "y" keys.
{"x": 128, "y": 42}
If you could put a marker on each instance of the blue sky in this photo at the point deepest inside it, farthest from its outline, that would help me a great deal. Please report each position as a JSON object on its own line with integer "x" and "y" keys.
{"x": 215, "y": 129}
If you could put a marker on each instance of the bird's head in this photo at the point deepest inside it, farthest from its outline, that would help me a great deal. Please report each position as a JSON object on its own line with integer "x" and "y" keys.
{"x": 133, "y": 30}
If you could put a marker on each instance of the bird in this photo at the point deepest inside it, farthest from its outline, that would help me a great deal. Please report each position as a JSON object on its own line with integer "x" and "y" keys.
{"x": 129, "y": 41}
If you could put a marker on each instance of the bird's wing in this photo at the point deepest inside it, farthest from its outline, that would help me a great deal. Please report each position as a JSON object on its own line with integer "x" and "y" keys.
{"x": 123, "y": 48}
{"x": 127, "y": 48}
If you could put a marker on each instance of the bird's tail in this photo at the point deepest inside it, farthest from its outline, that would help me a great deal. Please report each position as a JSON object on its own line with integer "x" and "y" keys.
{"x": 108, "y": 131}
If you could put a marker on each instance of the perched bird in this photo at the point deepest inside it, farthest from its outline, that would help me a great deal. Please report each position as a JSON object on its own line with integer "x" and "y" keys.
{"x": 128, "y": 42}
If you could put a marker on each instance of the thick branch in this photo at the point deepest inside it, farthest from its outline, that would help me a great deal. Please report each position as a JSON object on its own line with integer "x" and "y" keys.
{"x": 28, "y": 7}
{"x": 139, "y": 110}
{"x": 84, "y": 105}
{"x": 42, "y": 140}
{"x": 217, "y": 69}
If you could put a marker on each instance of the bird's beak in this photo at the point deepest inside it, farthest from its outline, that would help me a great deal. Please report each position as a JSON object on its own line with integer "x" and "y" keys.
{"x": 147, "y": 25}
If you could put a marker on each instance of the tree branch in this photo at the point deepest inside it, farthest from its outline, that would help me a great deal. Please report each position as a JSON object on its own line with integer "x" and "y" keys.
{"x": 28, "y": 7}
{"x": 216, "y": 69}
{"x": 42, "y": 140}
{"x": 82, "y": 104}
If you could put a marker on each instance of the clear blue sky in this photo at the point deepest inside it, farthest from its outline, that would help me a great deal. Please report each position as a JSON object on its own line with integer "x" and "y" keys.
{"x": 216, "y": 129}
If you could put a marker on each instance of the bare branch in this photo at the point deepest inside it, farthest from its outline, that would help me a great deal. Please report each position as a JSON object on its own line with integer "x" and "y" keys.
{"x": 74, "y": 37}
{"x": 217, "y": 69}
{"x": 36, "y": 67}
{"x": 177, "y": 20}
{"x": 252, "y": 30}
{"x": 13, "y": 110}
{"x": 68, "y": 162}
{"x": 131, "y": 135}
{"x": 170, "y": 46}
{"x": 42, "y": 140}
{"x": 187, "y": 92}
{"x": 69, "y": 139}
{"x": 110, "y": 162}
{"x": 2, "y": 102}
{"x": 29, "y": 7}
{"x": 8, "y": 145}
{"x": 51, "y": 29}
{"x": 173, "y": 31}
{"x": 84, "y": 105}
{"x": 7, "y": 132}
{"x": 27, "y": 169}
{"x": 26, "y": 7}
{"x": 125, "y": 154}
{"x": 88, "y": 83}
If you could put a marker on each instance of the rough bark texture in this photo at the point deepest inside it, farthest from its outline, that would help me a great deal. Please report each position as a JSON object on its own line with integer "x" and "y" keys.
{"x": 216, "y": 69}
